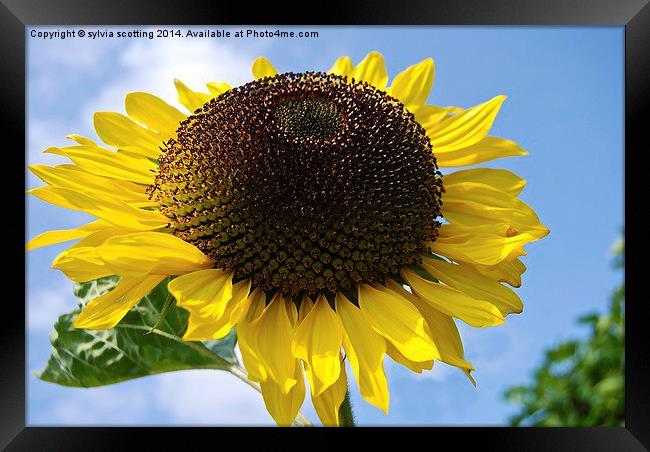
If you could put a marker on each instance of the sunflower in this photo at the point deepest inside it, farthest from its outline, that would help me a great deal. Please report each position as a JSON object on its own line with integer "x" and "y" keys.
{"x": 309, "y": 211}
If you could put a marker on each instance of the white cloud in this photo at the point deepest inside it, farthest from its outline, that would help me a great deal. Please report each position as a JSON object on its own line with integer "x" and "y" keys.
{"x": 79, "y": 55}
{"x": 192, "y": 397}
{"x": 491, "y": 351}
{"x": 44, "y": 133}
{"x": 152, "y": 66}
{"x": 45, "y": 305}
{"x": 108, "y": 405}
{"x": 57, "y": 66}
{"x": 199, "y": 397}
{"x": 149, "y": 66}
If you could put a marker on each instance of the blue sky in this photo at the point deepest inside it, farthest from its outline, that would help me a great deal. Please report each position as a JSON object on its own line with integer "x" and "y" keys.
{"x": 565, "y": 106}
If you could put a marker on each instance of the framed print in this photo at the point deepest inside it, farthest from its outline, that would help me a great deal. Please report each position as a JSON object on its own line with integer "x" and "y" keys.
{"x": 380, "y": 216}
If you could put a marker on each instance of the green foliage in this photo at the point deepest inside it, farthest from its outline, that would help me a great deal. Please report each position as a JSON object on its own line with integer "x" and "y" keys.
{"x": 346, "y": 415}
{"x": 581, "y": 382}
{"x": 134, "y": 348}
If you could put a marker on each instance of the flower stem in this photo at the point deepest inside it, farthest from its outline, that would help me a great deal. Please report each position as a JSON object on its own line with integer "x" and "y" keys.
{"x": 346, "y": 416}
{"x": 240, "y": 372}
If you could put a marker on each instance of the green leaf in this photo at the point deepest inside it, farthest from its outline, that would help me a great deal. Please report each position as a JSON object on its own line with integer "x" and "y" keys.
{"x": 613, "y": 384}
{"x": 562, "y": 352}
{"x": 90, "y": 290}
{"x": 588, "y": 318}
{"x": 132, "y": 349}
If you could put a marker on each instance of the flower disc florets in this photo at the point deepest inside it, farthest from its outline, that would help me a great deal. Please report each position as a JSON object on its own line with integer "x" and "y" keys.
{"x": 303, "y": 182}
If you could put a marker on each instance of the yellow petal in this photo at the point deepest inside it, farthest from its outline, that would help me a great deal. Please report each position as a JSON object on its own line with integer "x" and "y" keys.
{"x": 218, "y": 88}
{"x": 395, "y": 318}
{"x": 372, "y": 70}
{"x": 233, "y": 312}
{"x": 442, "y": 327}
{"x": 126, "y": 187}
{"x": 192, "y": 100}
{"x": 292, "y": 312}
{"x": 305, "y": 306}
{"x": 464, "y": 129}
{"x": 365, "y": 350}
{"x": 263, "y": 68}
{"x": 63, "y": 235}
{"x": 416, "y": 367}
{"x": 251, "y": 308}
{"x": 466, "y": 279}
{"x": 81, "y": 262}
{"x": 116, "y": 165}
{"x": 153, "y": 253}
{"x": 104, "y": 206}
{"x": 107, "y": 310}
{"x": 485, "y": 245}
{"x": 204, "y": 293}
{"x": 453, "y": 302}
{"x": 49, "y": 195}
{"x": 430, "y": 115}
{"x": 342, "y": 66}
{"x": 81, "y": 139}
{"x": 474, "y": 204}
{"x": 97, "y": 238}
{"x": 327, "y": 404}
{"x": 318, "y": 342}
{"x": 272, "y": 333}
{"x": 507, "y": 272}
{"x": 500, "y": 179}
{"x": 121, "y": 132}
{"x": 155, "y": 113}
{"x": 73, "y": 177}
{"x": 202, "y": 325}
{"x": 413, "y": 85}
{"x": 284, "y": 406}
{"x": 489, "y": 148}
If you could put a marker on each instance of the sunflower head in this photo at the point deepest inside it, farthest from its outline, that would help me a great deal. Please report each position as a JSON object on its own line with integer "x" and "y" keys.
{"x": 304, "y": 183}
{"x": 308, "y": 210}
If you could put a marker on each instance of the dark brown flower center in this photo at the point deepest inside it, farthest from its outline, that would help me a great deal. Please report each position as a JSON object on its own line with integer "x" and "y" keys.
{"x": 309, "y": 118}
{"x": 303, "y": 182}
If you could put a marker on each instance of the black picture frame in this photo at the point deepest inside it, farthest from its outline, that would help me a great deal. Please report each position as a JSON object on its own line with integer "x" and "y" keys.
{"x": 16, "y": 15}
